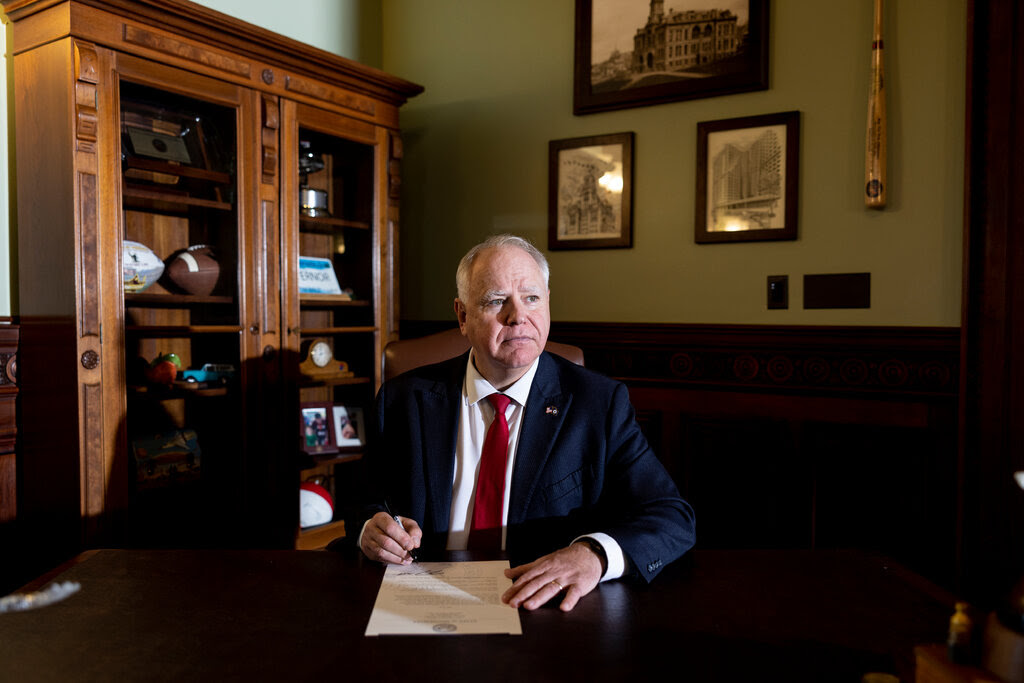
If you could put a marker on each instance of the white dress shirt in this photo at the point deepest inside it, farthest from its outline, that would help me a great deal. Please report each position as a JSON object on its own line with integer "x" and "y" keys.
{"x": 475, "y": 417}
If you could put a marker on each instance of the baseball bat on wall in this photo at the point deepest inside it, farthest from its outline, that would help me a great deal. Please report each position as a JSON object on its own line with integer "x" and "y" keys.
{"x": 875, "y": 189}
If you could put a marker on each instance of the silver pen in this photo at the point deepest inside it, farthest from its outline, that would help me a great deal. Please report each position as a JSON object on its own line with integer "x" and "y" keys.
{"x": 387, "y": 509}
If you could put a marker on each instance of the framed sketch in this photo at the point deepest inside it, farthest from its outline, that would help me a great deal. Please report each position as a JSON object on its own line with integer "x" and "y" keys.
{"x": 590, "y": 192}
{"x": 747, "y": 178}
{"x": 348, "y": 426}
{"x": 635, "y": 53}
{"x": 317, "y": 434}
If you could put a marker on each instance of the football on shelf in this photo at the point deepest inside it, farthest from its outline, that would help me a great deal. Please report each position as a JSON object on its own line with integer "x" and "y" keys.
{"x": 194, "y": 270}
{"x": 140, "y": 266}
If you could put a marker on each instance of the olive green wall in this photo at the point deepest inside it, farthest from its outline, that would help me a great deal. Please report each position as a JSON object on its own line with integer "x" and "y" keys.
{"x": 350, "y": 28}
{"x": 498, "y": 78}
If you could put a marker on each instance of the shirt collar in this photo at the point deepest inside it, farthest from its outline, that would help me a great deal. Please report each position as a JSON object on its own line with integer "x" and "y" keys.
{"x": 476, "y": 387}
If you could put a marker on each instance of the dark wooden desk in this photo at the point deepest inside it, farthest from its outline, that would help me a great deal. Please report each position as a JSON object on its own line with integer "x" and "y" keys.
{"x": 300, "y": 615}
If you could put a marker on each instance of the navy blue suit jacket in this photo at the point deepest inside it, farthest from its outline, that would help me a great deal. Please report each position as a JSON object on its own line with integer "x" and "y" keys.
{"x": 582, "y": 465}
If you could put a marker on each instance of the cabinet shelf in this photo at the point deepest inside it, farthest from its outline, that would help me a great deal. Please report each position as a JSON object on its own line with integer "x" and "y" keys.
{"x": 181, "y": 330}
{"x": 319, "y": 300}
{"x": 307, "y": 381}
{"x": 162, "y": 393}
{"x": 317, "y": 537}
{"x": 327, "y": 331}
{"x": 347, "y": 454}
{"x": 168, "y": 202}
{"x": 173, "y": 300}
{"x": 329, "y": 225}
{"x": 168, "y": 168}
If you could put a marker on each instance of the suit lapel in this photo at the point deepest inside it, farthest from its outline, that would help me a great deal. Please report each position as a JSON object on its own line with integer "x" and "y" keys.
{"x": 546, "y": 409}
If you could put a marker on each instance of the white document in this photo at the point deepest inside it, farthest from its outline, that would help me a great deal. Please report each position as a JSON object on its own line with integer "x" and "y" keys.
{"x": 443, "y": 598}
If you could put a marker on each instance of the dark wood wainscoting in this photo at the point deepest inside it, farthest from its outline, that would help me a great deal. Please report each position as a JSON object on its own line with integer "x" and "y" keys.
{"x": 9, "y": 334}
{"x": 796, "y": 437}
{"x": 8, "y": 418}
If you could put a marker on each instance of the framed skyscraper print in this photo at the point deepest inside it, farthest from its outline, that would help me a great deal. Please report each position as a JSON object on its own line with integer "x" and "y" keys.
{"x": 747, "y": 178}
{"x": 590, "y": 192}
{"x": 635, "y": 53}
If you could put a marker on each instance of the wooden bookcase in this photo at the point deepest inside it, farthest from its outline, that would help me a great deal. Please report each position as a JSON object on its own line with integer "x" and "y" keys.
{"x": 167, "y": 124}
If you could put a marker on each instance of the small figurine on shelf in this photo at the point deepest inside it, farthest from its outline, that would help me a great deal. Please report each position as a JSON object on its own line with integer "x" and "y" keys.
{"x": 219, "y": 373}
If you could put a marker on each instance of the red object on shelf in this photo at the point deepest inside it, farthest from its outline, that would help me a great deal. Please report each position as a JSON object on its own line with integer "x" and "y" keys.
{"x": 315, "y": 504}
{"x": 163, "y": 372}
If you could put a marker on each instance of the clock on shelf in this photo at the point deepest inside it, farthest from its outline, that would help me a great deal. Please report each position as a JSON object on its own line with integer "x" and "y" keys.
{"x": 319, "y": 361}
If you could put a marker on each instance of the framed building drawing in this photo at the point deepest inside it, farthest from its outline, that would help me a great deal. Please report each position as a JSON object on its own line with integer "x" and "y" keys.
{"x": 590, "y": 192}
{"x": 635, "y": 53}
{"x": 747, "y": 178}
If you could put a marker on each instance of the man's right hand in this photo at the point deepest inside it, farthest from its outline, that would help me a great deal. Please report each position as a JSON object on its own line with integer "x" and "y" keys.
{"x": 385, "y": 540}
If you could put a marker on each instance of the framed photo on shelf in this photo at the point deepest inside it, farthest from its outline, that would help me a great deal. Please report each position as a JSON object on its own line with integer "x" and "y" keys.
{"x": 747, "y": 178}
{"x": 348, "y": 426}
{"x": 317, "y": 434}
{"x": 634, "y": 53}
{"x": 590, "y": 192}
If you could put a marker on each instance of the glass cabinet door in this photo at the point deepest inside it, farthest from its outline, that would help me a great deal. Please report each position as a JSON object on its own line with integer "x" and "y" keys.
{"x": 183, "y": 259}
{"x": 334, "y": 202}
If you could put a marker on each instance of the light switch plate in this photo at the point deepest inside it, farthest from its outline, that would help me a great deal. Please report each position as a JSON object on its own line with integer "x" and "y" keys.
{"x": 778, "y": 291}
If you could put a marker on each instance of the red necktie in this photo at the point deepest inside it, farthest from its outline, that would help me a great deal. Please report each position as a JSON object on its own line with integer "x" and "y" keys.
{"x": 490, "y": 483}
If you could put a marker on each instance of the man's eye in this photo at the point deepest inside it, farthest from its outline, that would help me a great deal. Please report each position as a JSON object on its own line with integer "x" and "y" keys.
{"x": 532, "y": 299}
{"x": 496, "y": 302}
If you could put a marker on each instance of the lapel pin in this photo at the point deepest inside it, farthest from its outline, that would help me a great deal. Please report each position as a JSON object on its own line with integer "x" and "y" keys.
{"x": 551, "y": 410}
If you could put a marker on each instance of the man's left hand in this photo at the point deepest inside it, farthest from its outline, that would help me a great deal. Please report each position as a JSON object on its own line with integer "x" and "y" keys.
{"x": 576, "y": 570}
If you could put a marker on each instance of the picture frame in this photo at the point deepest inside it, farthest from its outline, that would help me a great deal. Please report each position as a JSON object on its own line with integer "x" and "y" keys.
{"x": 748, "y": 172}
{"x": 316, "y": 432}
{"x": 625, "y": 58}
{"x": 590, "y": 192}
{"x": 349, "y": 429}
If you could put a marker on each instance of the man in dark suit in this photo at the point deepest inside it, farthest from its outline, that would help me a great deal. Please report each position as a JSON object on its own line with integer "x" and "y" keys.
{"x": 577, "y": 486}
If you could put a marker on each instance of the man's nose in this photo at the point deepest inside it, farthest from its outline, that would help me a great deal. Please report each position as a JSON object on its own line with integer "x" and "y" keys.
{"x": 513, "y": 312}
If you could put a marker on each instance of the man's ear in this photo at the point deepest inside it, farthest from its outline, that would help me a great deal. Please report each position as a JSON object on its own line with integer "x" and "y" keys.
{"x": 460, "y": 315}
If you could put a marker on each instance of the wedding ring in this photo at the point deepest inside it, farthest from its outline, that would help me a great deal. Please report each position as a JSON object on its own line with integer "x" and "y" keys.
{"x": 560, "y": 588}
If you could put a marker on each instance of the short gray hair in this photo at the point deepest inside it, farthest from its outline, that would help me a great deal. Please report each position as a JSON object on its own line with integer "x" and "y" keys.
{"x": 493, "y": 242}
